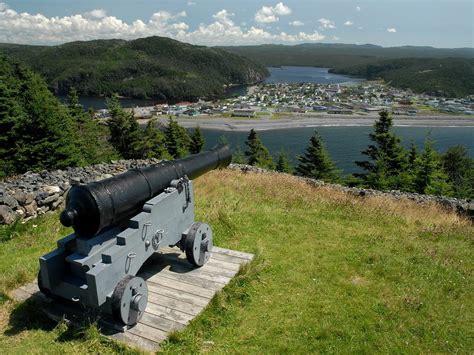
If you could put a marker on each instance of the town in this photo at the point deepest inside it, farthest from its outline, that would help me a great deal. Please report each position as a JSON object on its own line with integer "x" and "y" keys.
{"x": 285, "y": 99}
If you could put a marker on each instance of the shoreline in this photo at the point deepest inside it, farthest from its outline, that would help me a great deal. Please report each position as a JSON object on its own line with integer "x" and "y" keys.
{"x": 318, "y": 120}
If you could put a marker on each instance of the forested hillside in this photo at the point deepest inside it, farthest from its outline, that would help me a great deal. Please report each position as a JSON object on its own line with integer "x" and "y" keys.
{"x": 153, "y": 67}
{"x": 445, "y": 71}
{"x": 446, "y": 76}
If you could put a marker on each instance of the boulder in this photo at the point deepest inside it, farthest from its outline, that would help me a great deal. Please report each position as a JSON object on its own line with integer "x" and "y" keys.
{"x": 51, "y": 189}
{"x": 23, "y": 198}
{"x": 31, "y": 208}
{"x": 7, "y": 215}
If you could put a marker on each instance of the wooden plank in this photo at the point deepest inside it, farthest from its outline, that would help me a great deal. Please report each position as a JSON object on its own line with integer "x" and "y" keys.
{"x": 180, "y": 286}
{"x": 179, "y": 295}
{"x": 238, "y": 254}
{"x": 158, "y": 322}
{"x": 169, "y": 313}
{"x": 31, "y": 288}
{"x": 196, "y": 276}
{"x": 19, "y": 295}
{"x": 147, "y": 332}
{"x": 228, "y": 258}
{"x": 174, "y": 304}
{"x": 223, "y": 264}
{"x": 193, "y": 280}
{"x": 178, "y": 264}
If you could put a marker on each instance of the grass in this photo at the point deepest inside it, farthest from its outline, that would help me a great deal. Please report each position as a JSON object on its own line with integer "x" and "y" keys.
{"x": 333, "y": 273}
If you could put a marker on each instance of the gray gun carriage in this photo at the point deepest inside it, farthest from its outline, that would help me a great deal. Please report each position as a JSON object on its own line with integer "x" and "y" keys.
{"x": 118, "y": 224}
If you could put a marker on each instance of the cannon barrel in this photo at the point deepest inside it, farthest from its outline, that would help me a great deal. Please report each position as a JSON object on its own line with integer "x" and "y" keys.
{"x": 91, "y": 208}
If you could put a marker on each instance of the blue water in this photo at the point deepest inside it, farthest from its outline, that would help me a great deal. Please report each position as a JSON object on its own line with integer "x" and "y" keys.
{"x": 343, "y": 143}
{"x": 307, "y": 75}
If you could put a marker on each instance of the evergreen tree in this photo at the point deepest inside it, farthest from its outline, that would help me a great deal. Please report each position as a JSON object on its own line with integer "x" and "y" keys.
{"x": 387, "y": 167}
{"x": 315, "y": 162}
{"x": 411, "y": 157}
{"x": 429, "y": 176}
{"x": 153, "y": 142}
{"x": 39, "y": 132}
{"x": 257, "y": 154}
{"x": 283, "y": 164}
{"x": 125, "y": 134}
{"x": 177, "y": 139}
{"x": 197, "y": 141}
{"x": 92, "y": 138}
{"x": 459, "y": 168}
{"x": 238, "y": 156}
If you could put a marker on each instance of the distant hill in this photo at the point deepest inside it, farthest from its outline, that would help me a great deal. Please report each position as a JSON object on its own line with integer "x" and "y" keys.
{"x": 153, "y": 67}
{"x": 445, "y": 71}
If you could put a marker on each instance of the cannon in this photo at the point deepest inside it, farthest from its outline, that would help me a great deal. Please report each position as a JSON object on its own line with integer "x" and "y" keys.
{"x": 118, "y": 224}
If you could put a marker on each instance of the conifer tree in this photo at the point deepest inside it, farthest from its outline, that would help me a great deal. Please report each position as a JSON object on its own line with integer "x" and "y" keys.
{"x": 238, "y": 156}
{"x": 283, "y": 164}
{"x": 429, "y": 176}
{"x": 125, "y": 134}
{"x": 257, "y": 154}
{"x": 387, "y": 166}
{"x": 197, "y": 141}
{"x": 153, "y": 142}
{"x": 411, "y": 157}
{"x": 91, "y": 136}
{"x": 459, "y": 168}
{"x": 177, "y": 139}
{"x": 315, "y": 162}
{"x": 43, "y": 131}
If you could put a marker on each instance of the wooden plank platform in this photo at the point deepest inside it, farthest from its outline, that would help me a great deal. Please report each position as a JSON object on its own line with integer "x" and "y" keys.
{"x": 177, "y": 292}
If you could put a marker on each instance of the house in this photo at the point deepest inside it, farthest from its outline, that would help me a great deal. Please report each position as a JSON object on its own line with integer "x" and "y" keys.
{"x": 243, "y": 113}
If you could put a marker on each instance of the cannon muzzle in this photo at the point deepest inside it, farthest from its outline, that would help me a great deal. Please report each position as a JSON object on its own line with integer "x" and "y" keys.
{"x": 93, "y": 207}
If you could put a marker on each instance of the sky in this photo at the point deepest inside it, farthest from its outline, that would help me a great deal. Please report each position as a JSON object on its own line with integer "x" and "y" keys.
{"x": 437, "y": 23}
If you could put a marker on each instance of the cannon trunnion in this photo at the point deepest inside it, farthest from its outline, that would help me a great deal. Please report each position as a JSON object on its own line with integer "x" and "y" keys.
{"x": 99, "y": 270}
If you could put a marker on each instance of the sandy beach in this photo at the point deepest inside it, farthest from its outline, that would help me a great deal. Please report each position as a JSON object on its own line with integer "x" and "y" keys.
{"x": 315, "y": 120}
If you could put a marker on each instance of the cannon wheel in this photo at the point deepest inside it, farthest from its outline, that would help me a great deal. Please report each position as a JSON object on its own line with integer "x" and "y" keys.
{"x": 198, "y": 244}
{"x": 129, "y": 300}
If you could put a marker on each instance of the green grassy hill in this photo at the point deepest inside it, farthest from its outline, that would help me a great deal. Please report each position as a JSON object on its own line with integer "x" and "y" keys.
{"x": 333, "y": 273}
{"x": 422, "y": 69}
{"x": 155, "y": 67}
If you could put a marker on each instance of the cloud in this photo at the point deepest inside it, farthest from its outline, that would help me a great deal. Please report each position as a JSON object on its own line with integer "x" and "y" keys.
{"x": 296, "y": 23}
{"x": 269, "y": 14}
{"x": 97, "y": 13}
{"x": 335, "y": 38}
{"x": 191, "y": 3}
{"x": 358, "y": 8}
{"x": 391, "y": 30}
{"x": 28, "y": 28}
{"x": 326, "y": 24}
{"x": 348, "y": 23}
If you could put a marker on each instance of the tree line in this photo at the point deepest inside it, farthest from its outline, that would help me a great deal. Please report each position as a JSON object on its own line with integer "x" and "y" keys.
{"x": 389, "y": 166}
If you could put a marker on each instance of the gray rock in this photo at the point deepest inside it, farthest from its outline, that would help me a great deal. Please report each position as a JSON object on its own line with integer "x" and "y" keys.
{"x": 31, "y": 208}
{"x": 51, "y": 189}
{"x": 7, "y": 215}
{"x": 23, "y": 198}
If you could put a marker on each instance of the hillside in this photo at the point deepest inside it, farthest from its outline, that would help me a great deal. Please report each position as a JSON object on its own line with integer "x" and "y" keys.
{"x": 333, "y": 273}
{"x": 154, "y": 67}
{"x": 448, "y": 71}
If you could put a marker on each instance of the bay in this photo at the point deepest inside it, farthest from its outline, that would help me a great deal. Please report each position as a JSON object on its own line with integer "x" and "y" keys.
{"x": 343, "y": 143}
{"x": 314, "y": 75}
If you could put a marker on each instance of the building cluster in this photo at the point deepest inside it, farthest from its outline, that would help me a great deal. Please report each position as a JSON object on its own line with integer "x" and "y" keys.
{"x": 365, "y": 98}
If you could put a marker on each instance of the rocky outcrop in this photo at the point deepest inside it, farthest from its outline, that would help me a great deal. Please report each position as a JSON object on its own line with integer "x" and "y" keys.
{"x": 32, "y": 194}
